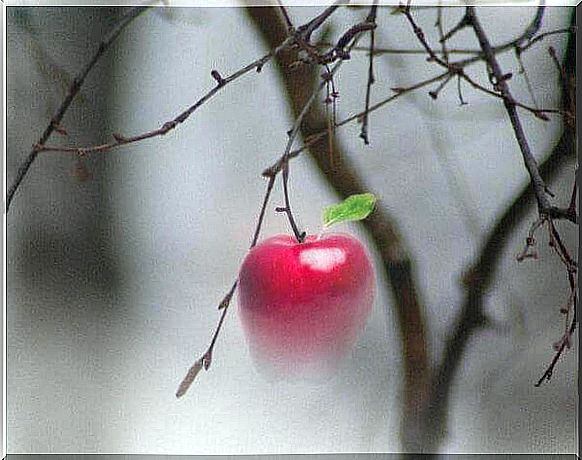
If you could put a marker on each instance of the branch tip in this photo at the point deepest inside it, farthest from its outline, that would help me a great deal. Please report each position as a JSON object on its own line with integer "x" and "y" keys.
{"x": 216, "y": 75}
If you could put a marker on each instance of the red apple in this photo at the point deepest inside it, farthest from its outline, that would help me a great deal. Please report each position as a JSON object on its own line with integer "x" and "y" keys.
{"x": 303, "y": 305}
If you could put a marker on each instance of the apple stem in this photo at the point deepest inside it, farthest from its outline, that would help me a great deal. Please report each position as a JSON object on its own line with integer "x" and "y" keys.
{"x": 287, "y": 209}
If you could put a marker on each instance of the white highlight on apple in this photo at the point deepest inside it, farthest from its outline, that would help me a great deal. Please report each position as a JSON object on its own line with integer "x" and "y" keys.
{"x": 322, "y": 259}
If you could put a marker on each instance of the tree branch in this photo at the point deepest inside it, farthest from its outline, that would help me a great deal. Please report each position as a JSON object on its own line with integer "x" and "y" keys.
{"x": 477, "y": 53}
{"x": 205, "y": 360}
{"x": 452, "y": 70}
{"x": 479, "y": 278}
{"x": 182, "y": 117}
{"x": 371, "y": 19}
{"x": 457, "y": 68}
{"x": 499, "y": 81}
{"x": 74, "y": 88}
{"x": 380, "y": 225}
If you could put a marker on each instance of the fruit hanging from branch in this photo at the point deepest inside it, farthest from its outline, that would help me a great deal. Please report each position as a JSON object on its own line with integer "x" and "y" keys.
{"x": 304, "y": 304}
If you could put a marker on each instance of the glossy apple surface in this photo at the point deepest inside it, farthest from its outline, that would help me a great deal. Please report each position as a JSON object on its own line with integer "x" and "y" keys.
{"x": 303, "y": 305}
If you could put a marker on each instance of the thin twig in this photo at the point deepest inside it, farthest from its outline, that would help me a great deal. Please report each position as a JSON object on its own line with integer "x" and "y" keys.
{"x": 316, "y": 137}
{"x": 372, "y": 20}
{"x": 440, "y": 27}
{"x": 535, "y": 25}
{"x": 457, "y": 69}
{"x": 572, "y": 207}
{"x": 565, "y": 343}
{"x": 500, "y": 83}
{"x": 346, "y": 180}
{"x": 537, "y": 38}
{"x": 73, "y": 90}
{"x": 399, "y": 92}
{"x": 286, "y": 16}
{"x": 318, "y": 21}
{"x": 530, "y": 242}
{"x": 560, "y": 248}
{"x": 476, "y": 53}
{"x": 288, "y": 154}
{"x": 460, "y": 26}
{"x": 386, "y": 51}
{"x": 300, "y": 236}
{"x": 460, "y": 92}
{"x": 546, "y": 211}
{"x": 300, "y": 37}
{"x": 452, "y": 68}
{"x": 182, "y": 117}
{"x": 435, "y": 92}
{"x": 523, "y": 71}
{"x": 471, "y": 316}
{"x": 284, "y": 159}
{"x": 206, "y": 359}
{"x": 559, "y": 67}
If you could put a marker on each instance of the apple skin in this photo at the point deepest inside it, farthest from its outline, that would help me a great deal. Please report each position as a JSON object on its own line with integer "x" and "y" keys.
{"x": 302, "y": 305}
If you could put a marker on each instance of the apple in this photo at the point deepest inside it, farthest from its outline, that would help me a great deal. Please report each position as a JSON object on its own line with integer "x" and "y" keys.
{"x": 303, "y": 305}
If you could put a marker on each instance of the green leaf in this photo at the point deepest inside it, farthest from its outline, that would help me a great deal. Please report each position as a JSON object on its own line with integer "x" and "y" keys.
{"x": 355, "y": 207}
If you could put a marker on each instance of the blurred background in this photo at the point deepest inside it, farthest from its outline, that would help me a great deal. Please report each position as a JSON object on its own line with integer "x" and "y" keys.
{"x": 116, "y": 261}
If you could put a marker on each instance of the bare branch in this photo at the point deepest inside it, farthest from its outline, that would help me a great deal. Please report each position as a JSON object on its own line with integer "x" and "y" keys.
{"x": 371, "y": 19}
{"x": 464, "y": 22}
{"x": 478, "y": 279}
{"x": 435, "y": 92}
{"x": 381, "y": 226}
{"x": 535, "y": 25}
{"x": 566, "y": 339}
{"x": 442, "y": 41}
{"x": 205, "y": 360}
{"x": 452, "y": 69}
{"x": 500, "y": 83}
{"x": 300, "y": 236}
{"x": 181, "y": 118}
{"x": 477, "y": 53}
{"x": 315, "y": 138}
{"x": 286, "y": 16}
{"x": 456, "y": 68}
{"x": 318, "y": 21}
{"x": 73, "y": 90}
{"x": 537, "y": 38}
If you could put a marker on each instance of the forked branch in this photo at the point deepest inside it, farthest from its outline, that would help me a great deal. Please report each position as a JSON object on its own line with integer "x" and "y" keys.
{"x": 73, "y": 90}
